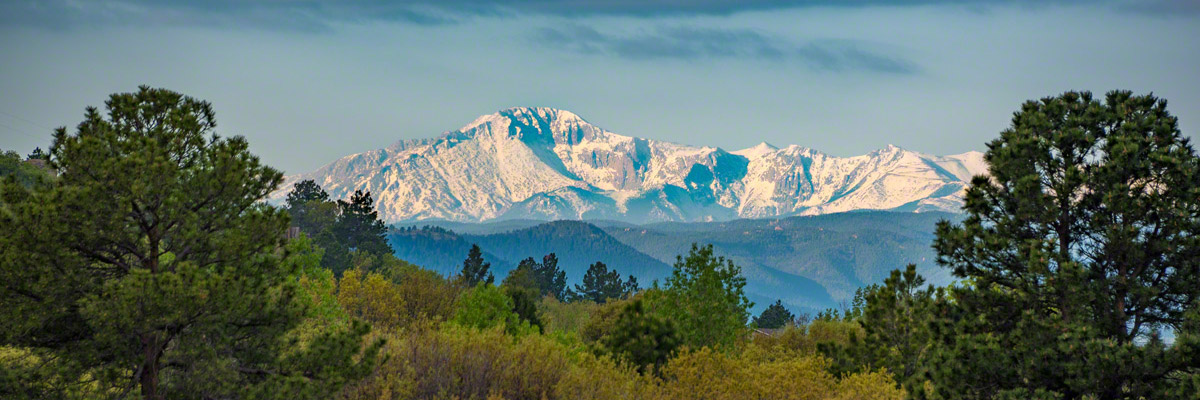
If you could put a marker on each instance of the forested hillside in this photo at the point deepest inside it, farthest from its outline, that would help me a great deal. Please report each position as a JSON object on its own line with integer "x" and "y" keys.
{"x": 840, "y": 252}
{"x": 576, "y": 245}
{"x": 811, "y": 263}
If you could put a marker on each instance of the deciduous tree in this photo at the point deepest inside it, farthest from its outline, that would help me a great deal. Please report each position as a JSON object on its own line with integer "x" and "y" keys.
{"x": 705, "y": 297}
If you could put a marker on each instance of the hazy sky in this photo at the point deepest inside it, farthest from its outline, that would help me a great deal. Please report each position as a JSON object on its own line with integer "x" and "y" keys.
{"x": 308, "y": 81}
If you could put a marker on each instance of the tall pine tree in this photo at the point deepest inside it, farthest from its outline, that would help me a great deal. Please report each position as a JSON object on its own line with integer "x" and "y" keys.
{"x": 152, "y": 265}
{"x": 359, "y": 224}
{"x": 551, "y": 278}
{"x": 600, "y": 284}
{"x": 1078, "y": 248}
{"x": 774, "y": 316}
{"x": 475, "y": 270}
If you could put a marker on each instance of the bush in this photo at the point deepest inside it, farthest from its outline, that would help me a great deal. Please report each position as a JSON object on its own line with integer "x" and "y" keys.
{"x": 486, "y": 306}
{"x": 453, "y": 361}
{"x": 595, "y": 377}
{"x": 767, "y": 374}
{"x": 568, "y": 318}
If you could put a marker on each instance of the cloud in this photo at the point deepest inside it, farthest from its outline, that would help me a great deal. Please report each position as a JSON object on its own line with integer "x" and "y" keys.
{"x": 288, "y": 15}
{"x": 319, "y": 15}
{"x": 689, "y": 43}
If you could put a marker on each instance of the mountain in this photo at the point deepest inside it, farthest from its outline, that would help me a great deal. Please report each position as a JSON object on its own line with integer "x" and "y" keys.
{"x": 576, "y": 244}
{"x": 548, "y": 164}
{"x": 840, "y": 252}
{"x": 809, "y": 262}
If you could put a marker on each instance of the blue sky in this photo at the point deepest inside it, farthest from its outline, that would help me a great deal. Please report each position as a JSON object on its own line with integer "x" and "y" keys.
{"x": 307, "y": 81}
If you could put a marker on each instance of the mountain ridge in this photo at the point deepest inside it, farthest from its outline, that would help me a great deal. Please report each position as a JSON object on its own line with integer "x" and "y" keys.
{"x": 548, "y": 164}
{"x": 808, "y": 262}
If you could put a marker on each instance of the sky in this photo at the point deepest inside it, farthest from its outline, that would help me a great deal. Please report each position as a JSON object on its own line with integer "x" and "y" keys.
{"x": 309, "y": 81}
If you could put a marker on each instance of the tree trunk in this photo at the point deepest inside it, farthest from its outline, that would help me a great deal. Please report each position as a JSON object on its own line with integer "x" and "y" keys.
{"x": 149, "y": 377}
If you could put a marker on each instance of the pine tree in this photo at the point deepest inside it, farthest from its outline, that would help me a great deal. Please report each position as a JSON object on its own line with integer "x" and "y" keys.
{"x": 897, "y": 320}
{"x": 1077, "y": 249}
{"x": 316, "y": 215}
{"x": 304, "y": 192}
{"x": 310, "y": 208}
{"x": 774, "y": 316}
{"x": 474, "y": 269}
{"x": 38, "y": 154}
{"x": 521, "y": 287}
{"x": 631, "y": 286}
{"x": 600, "y": 284}
{"x": 151, "y": 264}
{"x": 551, "y": 278}
{"x": 359, "y": 225}
{"x": 641, "y": 337}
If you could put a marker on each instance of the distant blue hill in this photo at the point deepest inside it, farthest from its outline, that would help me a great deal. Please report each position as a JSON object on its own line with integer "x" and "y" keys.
{"x": 810, "y": 263}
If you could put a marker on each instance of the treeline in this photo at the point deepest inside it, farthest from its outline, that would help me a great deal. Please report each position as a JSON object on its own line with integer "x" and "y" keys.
{"x": 577, "y": 245}
{"x": 149, "y": 266}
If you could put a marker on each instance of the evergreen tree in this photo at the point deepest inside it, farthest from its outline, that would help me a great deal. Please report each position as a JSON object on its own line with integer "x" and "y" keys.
{"x": 631, "y": 286}
{"x": 521, "y": 287}
{"x": 359, "y": 225}
{"x": 38, "y": 154}
{"x": 600, "y": 284}
{"x": 151, "y": 264}
{"x": 310, "y": 208}
{"x": 305, "y": 191}
{"x": 1076, "y": 251}
{"x": 551, "y": 279}
{"x": 897, "y": 320}
{"x": 705, "y": 297}
{"x": 642, "y": 337}
{"x": 317, "y": 217}
{"x": 26, "y": 175}
{"x": 775, "y": 316}
{"x": 474, "y": 269}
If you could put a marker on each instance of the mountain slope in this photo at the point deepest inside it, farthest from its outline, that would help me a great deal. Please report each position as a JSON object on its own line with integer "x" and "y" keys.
{"x": 809, "y": 262}
{"x": 839, "y": 252}
{"x": 547, "y": 164}
{"x": 576, "y": 244}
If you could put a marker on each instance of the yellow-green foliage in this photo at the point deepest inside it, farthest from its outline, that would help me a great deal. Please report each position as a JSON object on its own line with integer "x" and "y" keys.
{"x": 427, "y": 294}
{"x": 806, "y": 339}
{"x": 373, "y": 298}
{"x": 26, "y": 375}
{"x": 873, "y": 385}
{"x": 452, "y": 361}
{"x": 602, "y": 319}
{"x": 476, "y": 348}
{"x": 485, "y": 306}
{"x": 759, "y": 374}
{"x": 378, "y": 299}
{"x": 594, "y": 377}
{"x": 567, "y": 318}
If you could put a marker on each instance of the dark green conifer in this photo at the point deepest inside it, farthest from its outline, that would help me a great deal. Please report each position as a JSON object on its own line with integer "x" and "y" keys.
{"x": 152, "y": 265}
{"x": 1079, "y": 248}
{"x": 474, "y": 269}
{"x": 775, "y": 316}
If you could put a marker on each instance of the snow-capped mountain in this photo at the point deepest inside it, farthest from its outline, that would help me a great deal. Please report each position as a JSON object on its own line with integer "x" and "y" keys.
{"x": 543, "y": 163}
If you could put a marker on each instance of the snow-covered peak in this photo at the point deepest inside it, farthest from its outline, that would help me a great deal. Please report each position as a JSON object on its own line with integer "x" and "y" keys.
{"x": 540, "y": 162}
{"x": 890, "y": 148}
{"x": 542, "y": 113}
{"x": 757, "y": 150}
{"x": 526, "y": 115}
